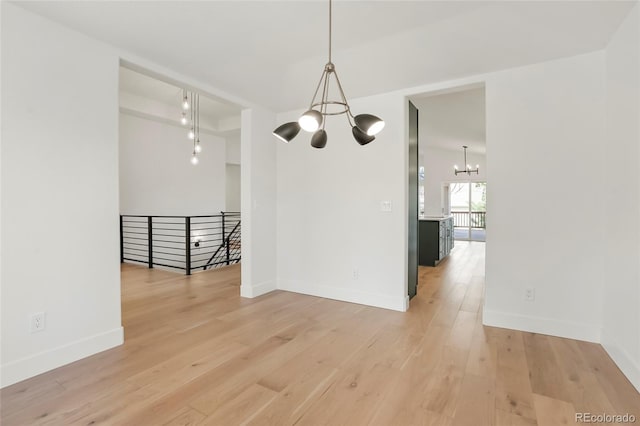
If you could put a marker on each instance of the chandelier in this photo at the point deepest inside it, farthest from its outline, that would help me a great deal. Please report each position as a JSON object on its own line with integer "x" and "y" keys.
{"x": 191, "y": 103}
{"x": 363, "y": 126}
{"x": 468, "y": 170}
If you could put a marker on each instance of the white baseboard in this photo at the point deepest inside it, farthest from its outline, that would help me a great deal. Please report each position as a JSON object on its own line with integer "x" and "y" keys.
{"x": 347, "y": 295}
{"x": 250, "y": 292}
{"x": 625, "y": 362}
{"x": 551, "y": 327}
{"x": 30, "y": 366}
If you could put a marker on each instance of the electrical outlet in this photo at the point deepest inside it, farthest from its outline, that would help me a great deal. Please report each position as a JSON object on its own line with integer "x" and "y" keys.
{"x": 356, "y": 273}
{"x": 530, "y": 294}
{"x": 36, "y": 322}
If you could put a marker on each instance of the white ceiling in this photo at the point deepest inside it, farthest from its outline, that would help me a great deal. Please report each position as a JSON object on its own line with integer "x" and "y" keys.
{"x": 451, "y": 120}
{"x": 171, "y": 96}
{"x": 272, "y": 52}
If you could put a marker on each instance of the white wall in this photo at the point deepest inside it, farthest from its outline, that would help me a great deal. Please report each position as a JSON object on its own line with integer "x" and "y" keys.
{"x": 258, "y": 203}
{"x": 232, "y": 199}
{"x": 545, "y": 132}
{"x": 438, "y": 169}
{"x": 59, "y": 195}
{"x": 621, "y": 325}
{"x": 157, "y": 177}
{"x": 233, "y": 149}
{"x": 233, "y": 174}
{"x": 329, "y": 218}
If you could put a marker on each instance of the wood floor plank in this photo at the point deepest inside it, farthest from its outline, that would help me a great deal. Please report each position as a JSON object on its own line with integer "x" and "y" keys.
{"x": 504, "y": 418}
{"x": 476, "y": 403}
{"x": 187, "y": 366}
{"x": 351, "y": 396}
{"x": 483, "y": 354}
{"x": 513, "y": 385}
{"x": 620, "y": 392}
{"x": 545, "y": 372}
{"x": 403, "y": 404}
{"x": 29, "y": 392}
{"x": 582, "y": 384}
{"x": 236, "y": 376}
{"x": 186, "y": 417}
{"x": 244, "y": 407}
{"x": 303, "y": 387}
{"x": 551, "y": 411}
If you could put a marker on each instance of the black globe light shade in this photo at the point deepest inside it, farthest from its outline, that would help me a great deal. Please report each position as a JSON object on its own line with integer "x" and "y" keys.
{"x": 287, "y": 131}
{"x": 319, "y": 139}
{"x": 311, "y": 120}
{"x": 369, "y": 124}
{"x": 361, "y": 137}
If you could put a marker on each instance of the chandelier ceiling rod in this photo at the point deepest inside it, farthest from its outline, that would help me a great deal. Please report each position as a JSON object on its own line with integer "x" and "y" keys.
{"x": 330, "y": 26}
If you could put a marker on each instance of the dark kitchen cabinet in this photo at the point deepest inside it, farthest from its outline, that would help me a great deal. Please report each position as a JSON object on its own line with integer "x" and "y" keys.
{"x": 435, "y": 240}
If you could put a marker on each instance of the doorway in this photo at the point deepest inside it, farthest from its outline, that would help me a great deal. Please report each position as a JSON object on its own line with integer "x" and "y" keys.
{"x": 468, "y": 206}
{"x": 179, "y": 178}
{"x": 448, "y": 120}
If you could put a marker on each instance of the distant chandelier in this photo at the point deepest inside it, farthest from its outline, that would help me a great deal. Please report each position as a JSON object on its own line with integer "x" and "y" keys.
{"x": 191, "y": 103}
{"x": 468, "y": 170}
{"x": 366, "y": 125}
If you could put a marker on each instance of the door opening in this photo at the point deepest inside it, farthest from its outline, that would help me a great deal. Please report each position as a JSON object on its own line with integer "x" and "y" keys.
{"x": 469, "y": 210}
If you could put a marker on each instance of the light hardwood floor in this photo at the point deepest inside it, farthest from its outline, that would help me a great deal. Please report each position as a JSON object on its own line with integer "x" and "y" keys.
{"x": 195, "y": 353}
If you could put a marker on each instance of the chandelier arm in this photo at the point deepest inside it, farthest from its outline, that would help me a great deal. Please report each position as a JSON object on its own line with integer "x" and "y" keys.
{"x": 344, "y": 99}
{"x": 317, "y": 88}
{"x": 348, "y": 114}
{"x": 325, "y": 92}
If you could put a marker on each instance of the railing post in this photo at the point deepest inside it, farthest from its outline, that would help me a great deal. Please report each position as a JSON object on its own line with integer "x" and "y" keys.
{"x": 150, "y": 240}
{"x": 187, "y": 242}
{"x": 228, "y": 238}
{"x": 121, "y": 240}
{"x": 223, "y": 227}
{"x": 225, "y": 240}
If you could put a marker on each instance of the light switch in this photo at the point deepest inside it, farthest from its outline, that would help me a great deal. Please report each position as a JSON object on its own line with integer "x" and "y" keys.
{"x": 385, "y": 206}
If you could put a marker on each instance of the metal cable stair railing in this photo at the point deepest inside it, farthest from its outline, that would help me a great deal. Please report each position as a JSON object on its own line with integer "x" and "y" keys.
{"x": 181, "y": 242}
